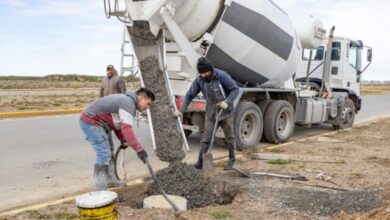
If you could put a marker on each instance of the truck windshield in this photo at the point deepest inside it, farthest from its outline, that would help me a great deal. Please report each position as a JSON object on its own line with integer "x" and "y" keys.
{"x": 318, "y": 54}
{"x": 353, "y": 57}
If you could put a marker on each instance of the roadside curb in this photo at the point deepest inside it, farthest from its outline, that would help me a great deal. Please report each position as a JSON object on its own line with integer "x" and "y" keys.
{"x": 39, "y": 113}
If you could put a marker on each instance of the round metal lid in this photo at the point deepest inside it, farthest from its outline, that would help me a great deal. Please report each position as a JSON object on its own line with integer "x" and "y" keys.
{"x": 96, "y": 199}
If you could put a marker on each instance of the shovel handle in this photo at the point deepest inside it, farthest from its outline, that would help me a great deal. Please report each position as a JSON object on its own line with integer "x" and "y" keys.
{"x": 174, "y": 206}
{"x": 214, "y": 131}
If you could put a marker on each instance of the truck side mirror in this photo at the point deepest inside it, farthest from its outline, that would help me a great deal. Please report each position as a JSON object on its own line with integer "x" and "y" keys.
{"x": 369, "y": 55}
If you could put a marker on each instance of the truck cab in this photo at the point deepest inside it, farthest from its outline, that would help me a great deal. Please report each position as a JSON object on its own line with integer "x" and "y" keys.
{"x": 347, "y": 65}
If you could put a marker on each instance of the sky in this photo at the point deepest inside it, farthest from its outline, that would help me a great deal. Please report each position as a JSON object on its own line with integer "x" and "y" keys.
{"x": 41, "y": 37}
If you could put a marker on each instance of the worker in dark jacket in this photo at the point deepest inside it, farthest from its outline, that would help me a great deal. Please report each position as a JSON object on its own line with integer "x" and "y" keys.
{"x": 113, "y": 113}
{"x": 209, "y": 81}
{"x": 112, "y": 83}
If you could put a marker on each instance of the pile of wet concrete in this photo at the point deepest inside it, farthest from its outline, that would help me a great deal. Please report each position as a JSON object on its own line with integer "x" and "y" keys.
{"x": 183, "y": 180}
{"x": 186, "y": 181}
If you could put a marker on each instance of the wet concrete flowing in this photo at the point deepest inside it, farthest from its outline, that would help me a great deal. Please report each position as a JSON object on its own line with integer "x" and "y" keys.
{"x": 169, "y": 142}
{"x": 166, "y": 130}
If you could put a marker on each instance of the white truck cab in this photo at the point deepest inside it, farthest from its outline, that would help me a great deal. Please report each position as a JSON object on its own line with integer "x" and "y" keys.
{"x": 346, "y": 66}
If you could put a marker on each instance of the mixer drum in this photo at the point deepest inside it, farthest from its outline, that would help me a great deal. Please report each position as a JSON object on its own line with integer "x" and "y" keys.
{"x": 256, "y": 43}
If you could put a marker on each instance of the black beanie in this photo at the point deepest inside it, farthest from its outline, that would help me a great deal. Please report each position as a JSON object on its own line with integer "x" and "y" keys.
{"x": 204, "y": 65}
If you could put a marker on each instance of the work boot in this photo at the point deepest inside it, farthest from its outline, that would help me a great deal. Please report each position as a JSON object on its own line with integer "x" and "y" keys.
{"x": 230, "y": 164}
{"x": 231, "y": 144}
{"x": 100, "y": 177}
{"x": 113, "y": 181}
{"x": 199, "y": 164}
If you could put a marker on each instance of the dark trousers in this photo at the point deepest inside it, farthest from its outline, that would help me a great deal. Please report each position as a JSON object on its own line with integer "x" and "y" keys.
{"x": 227, "y": 126}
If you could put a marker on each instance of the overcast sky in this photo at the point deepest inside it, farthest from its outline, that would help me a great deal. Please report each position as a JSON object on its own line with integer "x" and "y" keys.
{"x": 40, "y": 37}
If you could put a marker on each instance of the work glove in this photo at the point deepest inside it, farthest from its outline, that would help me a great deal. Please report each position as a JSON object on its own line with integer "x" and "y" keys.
{"x": 222, "y": 104}
{"x": 178, "y": 114}
{"x": 142, "y": 155}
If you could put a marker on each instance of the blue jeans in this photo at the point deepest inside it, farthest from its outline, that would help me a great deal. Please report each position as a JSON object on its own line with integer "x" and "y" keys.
{"x": 100, "y": 140}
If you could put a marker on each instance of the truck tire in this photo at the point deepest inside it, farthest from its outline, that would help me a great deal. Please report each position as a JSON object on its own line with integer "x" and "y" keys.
{"x": 279, "y": 122}
{"x": 263, "y": 105}
{"x": 248, "y": 125}
{"x": 347, "y": 117}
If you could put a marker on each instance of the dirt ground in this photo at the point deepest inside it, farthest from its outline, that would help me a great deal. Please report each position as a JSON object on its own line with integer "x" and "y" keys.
{"x": 353, "y": 183}
{"x": 375, "y": 88}
{"x": 45, "y": 99}
{"x": 50, "y": 92}
{"x": 73, "y": 91}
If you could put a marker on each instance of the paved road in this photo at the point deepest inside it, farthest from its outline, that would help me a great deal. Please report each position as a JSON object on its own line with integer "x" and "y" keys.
{"x": 45, "y": 158}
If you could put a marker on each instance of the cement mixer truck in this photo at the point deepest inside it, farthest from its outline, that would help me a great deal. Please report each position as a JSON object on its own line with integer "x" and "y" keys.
{"x": 289, "y": 73}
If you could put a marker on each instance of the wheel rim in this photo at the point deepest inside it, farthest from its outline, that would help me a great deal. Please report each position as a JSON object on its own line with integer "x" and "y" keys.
{"x": 120, "y": 172}
{"x": 347, "y": 115}
{"x": 284, "y": 123}
{"x": 248, "y": 127}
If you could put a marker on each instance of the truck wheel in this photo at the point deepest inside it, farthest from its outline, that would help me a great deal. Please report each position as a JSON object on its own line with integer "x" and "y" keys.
{"x": 248, "y": 125}
{"x": 345, "y": 120}
{"x": 279, "y": 122}
{"x": 263, "y": 105}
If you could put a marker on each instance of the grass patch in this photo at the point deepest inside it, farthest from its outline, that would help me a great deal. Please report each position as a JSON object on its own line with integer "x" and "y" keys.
{"x": 256, "y": 150}
{"x": 276, "y": 150}
{"x": 279, "y": 161}
{"x": 57, "y": 104}
{"x": 356, "y": 175}
{"x": 372, "y": 158}
{"x": 66, "y": 215}
{"x": 35, "y": 214}
{"x": 22, "y": 108}
{"x": 375, "y": 89}
{"x": 220, "y": 214}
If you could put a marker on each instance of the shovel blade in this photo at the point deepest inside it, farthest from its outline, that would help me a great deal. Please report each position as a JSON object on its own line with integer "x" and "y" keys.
{"x": 208, "y": 162}
{"x": 241, "y": 171}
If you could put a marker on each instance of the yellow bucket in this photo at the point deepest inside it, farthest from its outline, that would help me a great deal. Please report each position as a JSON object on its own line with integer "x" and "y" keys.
{"x": 99, "y": 205}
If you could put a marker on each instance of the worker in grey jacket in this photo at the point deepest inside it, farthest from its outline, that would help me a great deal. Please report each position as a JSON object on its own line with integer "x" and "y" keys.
{"x": 112, "y": 83}
{"x": 209, "y": 81}
{"x": 116, "y": 113}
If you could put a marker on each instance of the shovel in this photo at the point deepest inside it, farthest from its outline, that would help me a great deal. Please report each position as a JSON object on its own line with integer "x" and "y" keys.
{"x": 174, "y": 206}
{"x": 281, "y": 176}
{"x": 208, "y": 156}
{"x": 240, "y": 171}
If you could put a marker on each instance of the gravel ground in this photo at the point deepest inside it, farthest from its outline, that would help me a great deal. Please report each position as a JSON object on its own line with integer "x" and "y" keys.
{"x": 358, "y": 187}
